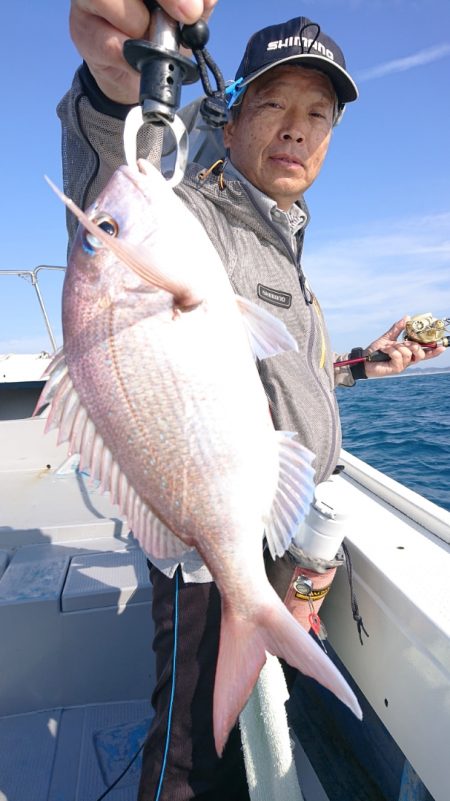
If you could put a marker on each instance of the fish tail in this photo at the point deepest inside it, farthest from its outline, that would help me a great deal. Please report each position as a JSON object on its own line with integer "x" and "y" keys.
{"x": 242, "y": 654}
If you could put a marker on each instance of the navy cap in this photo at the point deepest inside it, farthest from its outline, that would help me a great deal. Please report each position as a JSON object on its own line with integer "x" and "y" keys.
{"x": 299, "y": 41}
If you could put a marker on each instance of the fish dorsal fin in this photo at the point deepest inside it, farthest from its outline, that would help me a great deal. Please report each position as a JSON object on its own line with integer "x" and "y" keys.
{"x": 69, "y": 416}
{"x": 267, "y": 334}
{"x": 294, "y": 494}
{"x": 137, "y": 259}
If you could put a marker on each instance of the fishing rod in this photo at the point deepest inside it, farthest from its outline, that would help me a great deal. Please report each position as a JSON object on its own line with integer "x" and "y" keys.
{"x": 425, "y": 329}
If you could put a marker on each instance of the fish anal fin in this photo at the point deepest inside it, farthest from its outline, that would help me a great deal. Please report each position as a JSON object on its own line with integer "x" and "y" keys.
{"x": 267, "y": 334}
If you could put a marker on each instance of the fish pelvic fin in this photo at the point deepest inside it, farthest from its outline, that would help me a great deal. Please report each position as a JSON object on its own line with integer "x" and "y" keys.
{"x": 294, "y": 494}
{"x": 69, "y": 416}
{"x": 267, "y": 334}
{"x": 242, "y": 654}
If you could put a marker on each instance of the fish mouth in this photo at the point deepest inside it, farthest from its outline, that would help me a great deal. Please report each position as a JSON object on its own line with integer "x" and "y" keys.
{"x": 144, "y": 166}
{"x": 134, "y": 174}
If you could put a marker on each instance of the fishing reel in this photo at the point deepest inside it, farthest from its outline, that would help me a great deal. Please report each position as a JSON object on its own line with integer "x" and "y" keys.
{"x": 426, "y": 329}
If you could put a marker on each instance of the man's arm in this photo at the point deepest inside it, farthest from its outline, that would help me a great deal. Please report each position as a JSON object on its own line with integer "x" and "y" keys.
{"x": 99, "y": 29}
{"x": 104, "y": 89}
{"x": 401, "y": 355}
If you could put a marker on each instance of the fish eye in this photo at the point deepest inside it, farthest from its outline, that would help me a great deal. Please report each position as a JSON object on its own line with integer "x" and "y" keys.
{"x": 107, "y": 224}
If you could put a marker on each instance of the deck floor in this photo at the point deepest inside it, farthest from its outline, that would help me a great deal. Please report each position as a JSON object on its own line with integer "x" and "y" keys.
{"x": 76, "y": 753}
{"x": 72, "y": 754}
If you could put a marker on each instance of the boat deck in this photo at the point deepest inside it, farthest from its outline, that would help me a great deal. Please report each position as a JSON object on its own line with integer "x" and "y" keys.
{"x": 75, "y": 617}
{"x": 72, "y": 754}
{"x": 76, "y": 754}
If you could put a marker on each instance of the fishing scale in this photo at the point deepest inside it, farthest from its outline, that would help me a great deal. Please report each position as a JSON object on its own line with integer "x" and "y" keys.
{"x": 163, "y": 71}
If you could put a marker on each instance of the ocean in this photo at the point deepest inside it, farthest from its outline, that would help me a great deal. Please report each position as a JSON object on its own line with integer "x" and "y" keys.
{"x": 401, "y": 426}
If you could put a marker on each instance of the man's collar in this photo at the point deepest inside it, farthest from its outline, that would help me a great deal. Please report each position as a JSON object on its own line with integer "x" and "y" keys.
{"x": 296, "y": 217}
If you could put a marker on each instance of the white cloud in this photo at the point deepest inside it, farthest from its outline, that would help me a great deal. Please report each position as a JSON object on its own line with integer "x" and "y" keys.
{"x": 419, "y": 59}
{"x": 364, "y": 281}
{"x": 29, "y": 344}
{"x": 368, "y": 280}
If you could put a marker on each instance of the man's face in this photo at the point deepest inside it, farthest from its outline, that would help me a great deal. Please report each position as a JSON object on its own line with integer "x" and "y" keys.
{"x": 281, "y": 135}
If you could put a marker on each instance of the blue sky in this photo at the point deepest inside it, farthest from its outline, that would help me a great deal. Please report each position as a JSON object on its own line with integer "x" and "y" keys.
{"x": 378, "y": 245}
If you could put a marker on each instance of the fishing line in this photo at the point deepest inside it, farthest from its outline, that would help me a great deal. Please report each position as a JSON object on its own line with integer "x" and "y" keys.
{"x": 172, "y": 691}
{"x": 116, "y": 781}
{"x": 171, "y": 702}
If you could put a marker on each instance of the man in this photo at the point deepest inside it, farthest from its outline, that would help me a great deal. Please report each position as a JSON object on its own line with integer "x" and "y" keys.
{"x": 294, "y": 88}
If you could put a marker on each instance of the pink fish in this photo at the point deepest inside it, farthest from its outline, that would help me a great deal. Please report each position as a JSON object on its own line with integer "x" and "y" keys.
{"x": 157, "y": 389}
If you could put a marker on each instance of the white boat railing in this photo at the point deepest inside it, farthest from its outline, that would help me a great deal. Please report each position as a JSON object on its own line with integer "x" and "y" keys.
{"x": 32, "y": 276}
{"x": 433, "y": 518}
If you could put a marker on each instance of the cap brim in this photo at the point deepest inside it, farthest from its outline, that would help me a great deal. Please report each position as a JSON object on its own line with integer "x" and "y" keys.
{"x": 344, "y": 85}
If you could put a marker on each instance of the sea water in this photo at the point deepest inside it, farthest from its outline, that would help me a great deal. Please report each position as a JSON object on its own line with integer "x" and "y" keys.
{"x": 401, "y": 426}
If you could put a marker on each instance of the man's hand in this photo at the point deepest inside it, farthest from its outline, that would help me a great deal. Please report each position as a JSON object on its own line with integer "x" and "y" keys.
{"x": 401, "y": 354}
{"x": 100, "y": 27}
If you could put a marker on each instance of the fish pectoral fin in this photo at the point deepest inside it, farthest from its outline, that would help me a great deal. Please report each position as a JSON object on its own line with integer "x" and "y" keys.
{"x": 294, "y": 495}
{"x": 74, "y": 425}
{"x": 267, "y": 334}
{"x": 136, "y": 258}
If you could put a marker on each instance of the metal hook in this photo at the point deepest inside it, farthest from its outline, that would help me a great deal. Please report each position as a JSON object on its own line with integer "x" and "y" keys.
{"x": 134, "y": 122}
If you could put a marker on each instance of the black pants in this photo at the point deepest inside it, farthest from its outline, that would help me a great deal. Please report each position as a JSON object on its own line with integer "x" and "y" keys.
{"x": 186, "y": 766}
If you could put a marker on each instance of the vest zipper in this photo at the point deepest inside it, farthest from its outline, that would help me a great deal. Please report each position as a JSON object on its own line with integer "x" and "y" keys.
{"x": 309, "y": 300}
{"x": 323, "y": 346}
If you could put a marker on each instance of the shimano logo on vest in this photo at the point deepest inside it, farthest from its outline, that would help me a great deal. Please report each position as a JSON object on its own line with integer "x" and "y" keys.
{"x": 274, "y": 296}
{"x": 308, "y": 45}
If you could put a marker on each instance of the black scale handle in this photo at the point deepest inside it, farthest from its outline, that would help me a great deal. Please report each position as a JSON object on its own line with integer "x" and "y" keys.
{"x": 163, "y": 69}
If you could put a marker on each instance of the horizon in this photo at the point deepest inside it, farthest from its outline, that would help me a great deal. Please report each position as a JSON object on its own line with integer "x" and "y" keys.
{"x": 378, "y": 243}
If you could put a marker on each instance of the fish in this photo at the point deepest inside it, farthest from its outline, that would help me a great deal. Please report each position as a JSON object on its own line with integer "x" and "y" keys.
{"x": 157, "y": 388}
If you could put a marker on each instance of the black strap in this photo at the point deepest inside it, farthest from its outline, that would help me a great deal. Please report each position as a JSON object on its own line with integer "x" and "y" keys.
{"x": 354, "y": 603}
{"x": 357, "y": 370}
